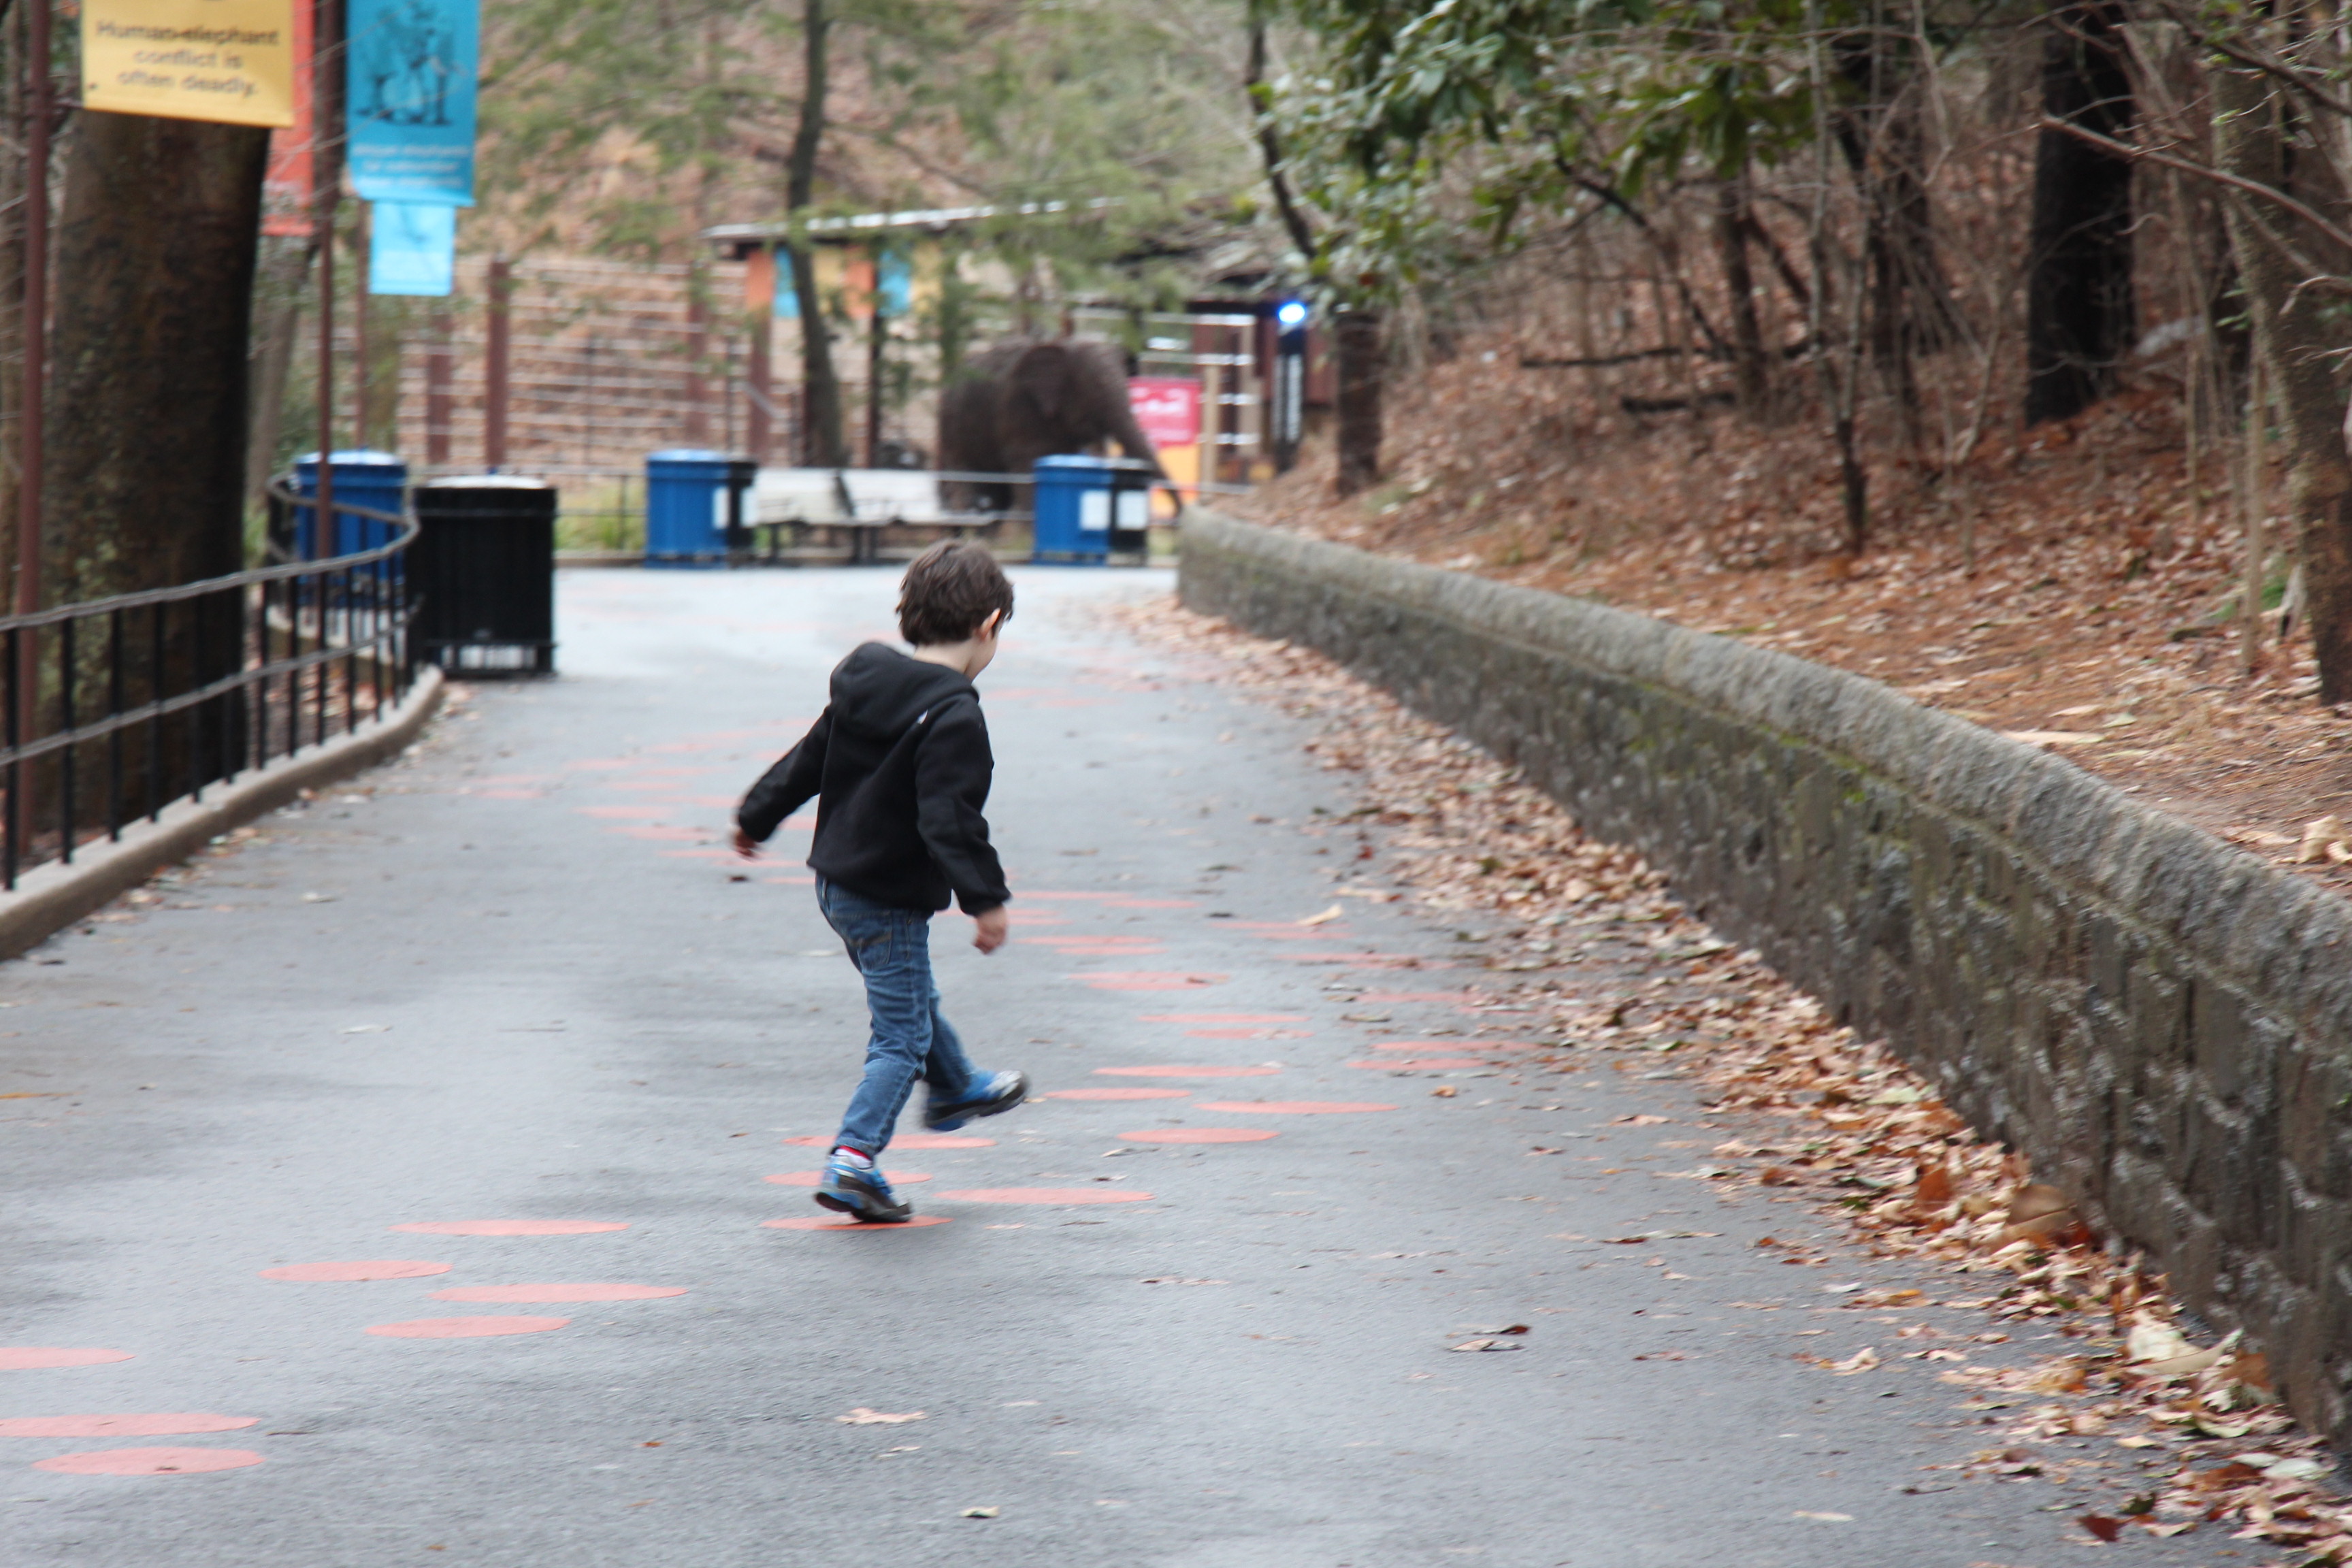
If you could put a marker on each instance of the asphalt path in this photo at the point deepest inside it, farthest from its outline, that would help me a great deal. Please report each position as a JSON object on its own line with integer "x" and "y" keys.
{"x": 1196, "y": 1309}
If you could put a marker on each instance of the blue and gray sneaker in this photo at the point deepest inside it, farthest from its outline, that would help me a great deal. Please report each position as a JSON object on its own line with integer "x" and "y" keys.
{"x": 854, "y": 1187}
{"x": 1000, "y": 1094}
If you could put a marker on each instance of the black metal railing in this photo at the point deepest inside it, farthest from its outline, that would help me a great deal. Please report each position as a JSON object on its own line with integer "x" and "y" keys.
{"x": 116, "y": 708}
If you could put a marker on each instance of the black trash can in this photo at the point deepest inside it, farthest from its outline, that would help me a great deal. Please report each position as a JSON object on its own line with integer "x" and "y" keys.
{"x": 1132, "y": 480}
{"x": 742, "y": 475}
{"x": 482, "y": 573}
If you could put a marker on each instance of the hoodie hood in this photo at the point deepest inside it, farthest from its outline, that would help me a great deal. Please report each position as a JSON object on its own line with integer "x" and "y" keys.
{"x": 879, "y": 692}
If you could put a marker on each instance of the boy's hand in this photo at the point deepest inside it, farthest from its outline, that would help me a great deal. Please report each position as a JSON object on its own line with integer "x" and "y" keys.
{"x": 746, "y": 845}
{"x": 989, "y": 934}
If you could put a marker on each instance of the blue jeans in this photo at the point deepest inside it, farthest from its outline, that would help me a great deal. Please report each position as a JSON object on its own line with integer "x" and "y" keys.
{"x": 892, "y": 950}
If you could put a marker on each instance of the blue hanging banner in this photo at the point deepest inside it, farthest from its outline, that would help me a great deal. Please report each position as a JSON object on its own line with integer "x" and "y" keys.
{"x": 410, "y": 108}
{"x": 412, "y": 248}
{"x": 894, "y": 283}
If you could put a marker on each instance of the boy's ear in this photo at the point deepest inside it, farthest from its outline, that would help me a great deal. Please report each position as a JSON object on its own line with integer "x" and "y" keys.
{"x": 987, "y": 629}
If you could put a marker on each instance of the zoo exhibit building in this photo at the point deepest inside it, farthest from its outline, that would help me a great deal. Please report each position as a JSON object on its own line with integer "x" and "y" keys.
{"x": 1205, "y": 374}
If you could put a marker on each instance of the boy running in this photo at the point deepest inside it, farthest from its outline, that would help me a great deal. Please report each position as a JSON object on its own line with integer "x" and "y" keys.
{"x": 898, "y": 763}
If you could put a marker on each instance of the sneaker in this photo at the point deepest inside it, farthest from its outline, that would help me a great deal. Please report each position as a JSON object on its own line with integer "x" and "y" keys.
{"x": 855, "y": 1187}
{"x": 1002, "y": 1093}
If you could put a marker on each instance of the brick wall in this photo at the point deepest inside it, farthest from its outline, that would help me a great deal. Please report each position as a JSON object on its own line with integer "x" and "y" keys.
{"x": 2159, "y": 1022}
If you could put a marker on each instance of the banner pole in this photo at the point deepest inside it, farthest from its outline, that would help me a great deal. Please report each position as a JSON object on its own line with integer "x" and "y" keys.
{"x": 326, "y": 189}
{"x": 39, "y": 110}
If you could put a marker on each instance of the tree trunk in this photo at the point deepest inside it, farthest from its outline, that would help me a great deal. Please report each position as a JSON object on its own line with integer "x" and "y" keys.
{"x": 144, "y": 482}
{"x": 2078, "y": 302}
{"x": 1269, "y": 144}
{"x": 273, "y": 362}
{"x": 156, "y": 243}
{"x": 1749, "y": 370}
{"x": 822, "y": 443}
{"x": 1878, "y": 134}
{"x": 1362, "y": 363}
{"x": 2292, "y": 338}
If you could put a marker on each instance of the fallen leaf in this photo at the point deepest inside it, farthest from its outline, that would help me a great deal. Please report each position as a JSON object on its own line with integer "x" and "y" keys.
{"x": 1448, "y": 1092}
{"x": 1933, "y": 1189}
{"x": 861, "y": 1416}
{"x": 981, "y": 1512}
{"x": 1826, "y": 1517}
{"x": 1644, "y": 1119}
{"x": 1485, "y": 1344}
{"x": 1777, "y": 1176}
{"x": 1326, "y": 917}
{"x": 2320, "y": 836}
{"x": 1862, "y": 1360}
{"x": 2100, "y": 1525}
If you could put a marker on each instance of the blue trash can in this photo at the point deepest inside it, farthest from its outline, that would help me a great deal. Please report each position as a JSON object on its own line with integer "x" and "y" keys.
{"x": 375, "y": 480}
{"x": 1073, "y": 510}
{"x": 686, "y": 507}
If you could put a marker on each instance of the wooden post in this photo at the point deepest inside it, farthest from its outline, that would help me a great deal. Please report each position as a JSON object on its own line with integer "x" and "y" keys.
{"x": 757, "y": 432}
{"x": 697, "y": 351}
{"x": 877, "y": 336}
{"x": 439, "y": 372}
{"x": 494, "y": 393}
{"x": 362, "y": 238}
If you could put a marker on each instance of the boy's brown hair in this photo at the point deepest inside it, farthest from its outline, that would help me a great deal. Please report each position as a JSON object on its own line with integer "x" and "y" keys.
{"x": 949, "y": 590}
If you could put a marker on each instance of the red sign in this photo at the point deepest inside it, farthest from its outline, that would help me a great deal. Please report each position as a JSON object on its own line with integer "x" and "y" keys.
{"x": 1168, "y": 408}
{"x": 286, "y": 187}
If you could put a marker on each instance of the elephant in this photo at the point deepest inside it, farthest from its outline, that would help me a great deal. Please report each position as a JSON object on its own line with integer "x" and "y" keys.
{"x": 1023, "y": 400}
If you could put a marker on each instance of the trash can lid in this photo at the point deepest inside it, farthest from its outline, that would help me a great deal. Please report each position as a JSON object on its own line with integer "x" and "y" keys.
{"x": 355, "y": 457}
{"x": 689, "y": 454}
{"x": 1073, "y": 460}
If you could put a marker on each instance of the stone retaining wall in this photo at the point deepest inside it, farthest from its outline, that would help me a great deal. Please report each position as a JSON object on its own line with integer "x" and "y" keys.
{"x": 2160, "y": 1023}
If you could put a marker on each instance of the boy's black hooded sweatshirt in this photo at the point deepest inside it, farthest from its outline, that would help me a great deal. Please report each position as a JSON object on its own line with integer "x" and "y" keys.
{"x": 899, "y": 766}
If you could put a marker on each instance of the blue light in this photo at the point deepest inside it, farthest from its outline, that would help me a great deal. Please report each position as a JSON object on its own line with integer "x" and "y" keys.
{"x": 1291, "y": 314}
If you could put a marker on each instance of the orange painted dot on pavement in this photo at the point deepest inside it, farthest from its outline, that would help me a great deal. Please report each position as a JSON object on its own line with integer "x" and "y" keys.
{"x": 909, "y": 1141}
{"x": 26, "y": 1358}
{"x": 1055, "y": 1195}
{"x": 1296, "y": 1106}
{"x": 811, "y": 1178}
{"x": 1143, "y": 981}
{"x": 510, "y": 1227}
{"x": 1402, "y": 1064}
{"x": 347, "y": 1273}
{"x": 1201, "y": 1135}
{"x": 1249, "y": 1034}
{"x": 915, "y": 1224}
{"x": 466, "y": 1328}
{"x": 1190, "y": 1072}
{"x": 170, "y": 1424}
{"x": 589, "y": 1292}
{"x": 150, "y": 1461}
{"x": 1117, "y": 1094}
